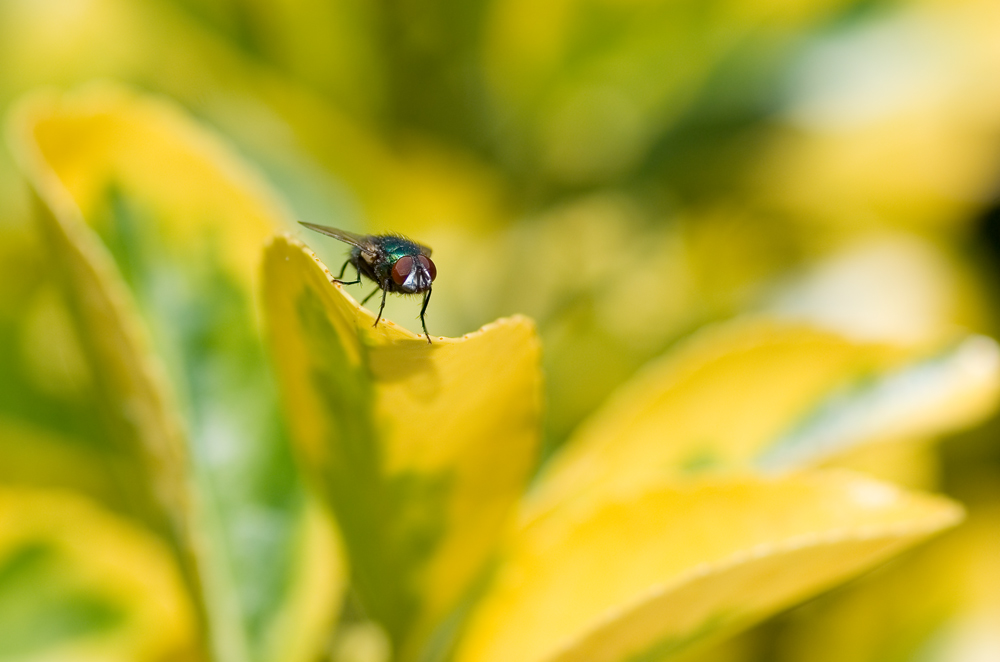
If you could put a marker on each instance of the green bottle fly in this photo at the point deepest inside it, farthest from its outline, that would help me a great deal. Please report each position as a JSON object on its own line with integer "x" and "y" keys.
{"x": 396, "y": 264}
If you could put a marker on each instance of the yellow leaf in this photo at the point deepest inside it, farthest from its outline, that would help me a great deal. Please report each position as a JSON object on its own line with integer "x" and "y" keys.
{"x": 105, "y": 136}
{"x": 156, "y": 228}
{"x": 44, "y": 371}
{"x": 110, "y": 336}
{"x": 656, "y": 571}
{"x": 420, "y": 449}
{"x": 769, "y": 395}
{"x": 81, "y": 584}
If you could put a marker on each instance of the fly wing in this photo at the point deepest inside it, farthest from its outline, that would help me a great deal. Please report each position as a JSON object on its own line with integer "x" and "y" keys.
{"x": 363, "y": 242}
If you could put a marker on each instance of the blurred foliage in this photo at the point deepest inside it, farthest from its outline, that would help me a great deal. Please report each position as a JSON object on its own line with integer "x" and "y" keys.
{"x": 624, "y": 174}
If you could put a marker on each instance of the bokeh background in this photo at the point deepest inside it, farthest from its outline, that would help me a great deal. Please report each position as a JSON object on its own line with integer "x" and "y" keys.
{"x": 622, "y": 171}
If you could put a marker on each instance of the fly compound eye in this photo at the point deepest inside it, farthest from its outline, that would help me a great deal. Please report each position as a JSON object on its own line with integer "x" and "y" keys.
{"x": 428, "y": 265}
{"x": 401, "y": 270}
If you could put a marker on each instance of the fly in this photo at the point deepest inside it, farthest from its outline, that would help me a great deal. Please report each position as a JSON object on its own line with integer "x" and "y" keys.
{"x": 395, "y": 263}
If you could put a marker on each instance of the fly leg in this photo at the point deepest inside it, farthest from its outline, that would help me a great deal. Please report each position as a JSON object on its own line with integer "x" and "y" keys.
{"x": 344, "y": 282}
{"x": 363, "y": 302}
{"x": 423, "y": 309}
{"x": 384, "y": 292}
